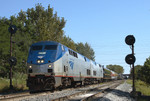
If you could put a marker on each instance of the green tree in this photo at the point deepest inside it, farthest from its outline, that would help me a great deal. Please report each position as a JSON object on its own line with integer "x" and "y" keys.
{"x": 4, "y": 49}
{"x": 86, "y": 50}
{"x": 20, "y": 45}
{"x": 116, "y": 68}
{"x": 67, "y": 41}
{"x": 44, "y": 25}
{"x": 36, "y": 24}
{"x": 137, "y": 73}
{"x": 145, "y": 71}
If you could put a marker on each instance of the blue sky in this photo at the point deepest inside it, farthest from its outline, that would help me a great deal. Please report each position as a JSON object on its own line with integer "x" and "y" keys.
{"x": 104, "y": 24}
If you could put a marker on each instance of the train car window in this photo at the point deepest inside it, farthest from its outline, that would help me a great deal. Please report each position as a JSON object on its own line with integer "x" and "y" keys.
{"x": 76, "y": 55}
{"x": 88, "y": 72}
{"x": 50, "y": 47}
{"x": 73, "y": 53}
{"x": 70, "y": 52}
{"x": 85, "y": 58}
{"x": 94, "y": 72}
{"x": 36, "y": 47}
{"x": 64, "y": 69}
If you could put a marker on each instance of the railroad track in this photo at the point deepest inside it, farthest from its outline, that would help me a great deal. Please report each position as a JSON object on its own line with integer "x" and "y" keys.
{"x": 14, "y": 95}
{"x": 89, "y": 95}
{"x": 22, "y": 95}
{"x": 64, "y": 95}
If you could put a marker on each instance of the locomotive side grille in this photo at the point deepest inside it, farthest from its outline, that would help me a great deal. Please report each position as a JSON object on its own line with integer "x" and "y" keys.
{"x": 50, "y": 70}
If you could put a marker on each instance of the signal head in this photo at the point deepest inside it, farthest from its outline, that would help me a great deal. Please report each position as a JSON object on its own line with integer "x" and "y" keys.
{"x": 130, "y": 59}
{"x": 130, "y": 40}
{"x": 12, "y": 29}
{"x": 12, "y": 61}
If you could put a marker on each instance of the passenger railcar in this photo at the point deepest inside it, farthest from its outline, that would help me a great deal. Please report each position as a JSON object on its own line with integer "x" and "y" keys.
{"x": 51, "y": 65}
{"x": 109, "y": 75}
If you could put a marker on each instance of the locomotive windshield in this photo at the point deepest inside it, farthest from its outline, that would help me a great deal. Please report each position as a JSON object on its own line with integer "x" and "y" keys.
{"x": 36, "y": 47}
{"x": 47, "y": 47}
{"x": 50, "y": 47}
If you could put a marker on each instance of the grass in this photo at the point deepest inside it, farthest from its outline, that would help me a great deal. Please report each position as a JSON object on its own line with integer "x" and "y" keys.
{"x": 18, "y": 82}
{"x": 141, "y": 86}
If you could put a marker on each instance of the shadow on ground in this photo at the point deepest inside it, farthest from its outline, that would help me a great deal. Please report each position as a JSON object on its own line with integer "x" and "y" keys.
{"x": 122, "y": 94}
{"x": 143, "y": 98}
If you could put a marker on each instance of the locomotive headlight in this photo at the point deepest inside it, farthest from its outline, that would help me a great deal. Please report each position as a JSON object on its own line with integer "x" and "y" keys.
{"x": 49, "y": 65}
{"x": 30, "y": 66}
{"x": 42, "y": 61}
{"x": 38, "y": 61}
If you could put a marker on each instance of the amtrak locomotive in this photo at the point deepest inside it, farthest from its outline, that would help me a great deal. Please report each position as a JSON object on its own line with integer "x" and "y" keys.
{"x": 52, "y": 65}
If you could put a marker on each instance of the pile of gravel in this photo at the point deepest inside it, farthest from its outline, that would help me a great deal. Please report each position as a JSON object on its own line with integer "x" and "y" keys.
{"x": 120, "y": 93}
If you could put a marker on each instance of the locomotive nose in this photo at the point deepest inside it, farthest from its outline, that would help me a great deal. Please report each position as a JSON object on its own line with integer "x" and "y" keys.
{"x": 45, "y": 68}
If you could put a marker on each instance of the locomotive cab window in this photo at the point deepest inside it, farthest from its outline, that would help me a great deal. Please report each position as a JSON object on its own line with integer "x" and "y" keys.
{"x": 36, "y": 47}
{"x": 50, "y": 47}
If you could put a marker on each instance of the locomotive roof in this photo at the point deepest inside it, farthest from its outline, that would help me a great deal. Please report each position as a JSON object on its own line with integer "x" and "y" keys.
{"x": 56, "y": 43}
{"x": 45, "y": 42}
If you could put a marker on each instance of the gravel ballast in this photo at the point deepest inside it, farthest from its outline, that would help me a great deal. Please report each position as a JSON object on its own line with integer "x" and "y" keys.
{"x": 120, "y": 93}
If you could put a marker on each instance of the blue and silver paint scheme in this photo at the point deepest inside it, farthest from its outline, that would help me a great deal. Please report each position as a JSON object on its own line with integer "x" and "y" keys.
{"x": 50, "y": 58}
{"x": 43, "y": 55}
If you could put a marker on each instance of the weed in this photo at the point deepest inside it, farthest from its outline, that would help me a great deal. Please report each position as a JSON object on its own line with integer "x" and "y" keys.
{"x": 18, "y": 82}
{"x": 141, "y": 86}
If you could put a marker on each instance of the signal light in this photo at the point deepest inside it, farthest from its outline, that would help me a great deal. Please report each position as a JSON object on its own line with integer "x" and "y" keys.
{"x": 130, "y": 40}
{"x": 12, "y": 61}
{"x": 12, "y": 29}
{"x": 130, "y": 59}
